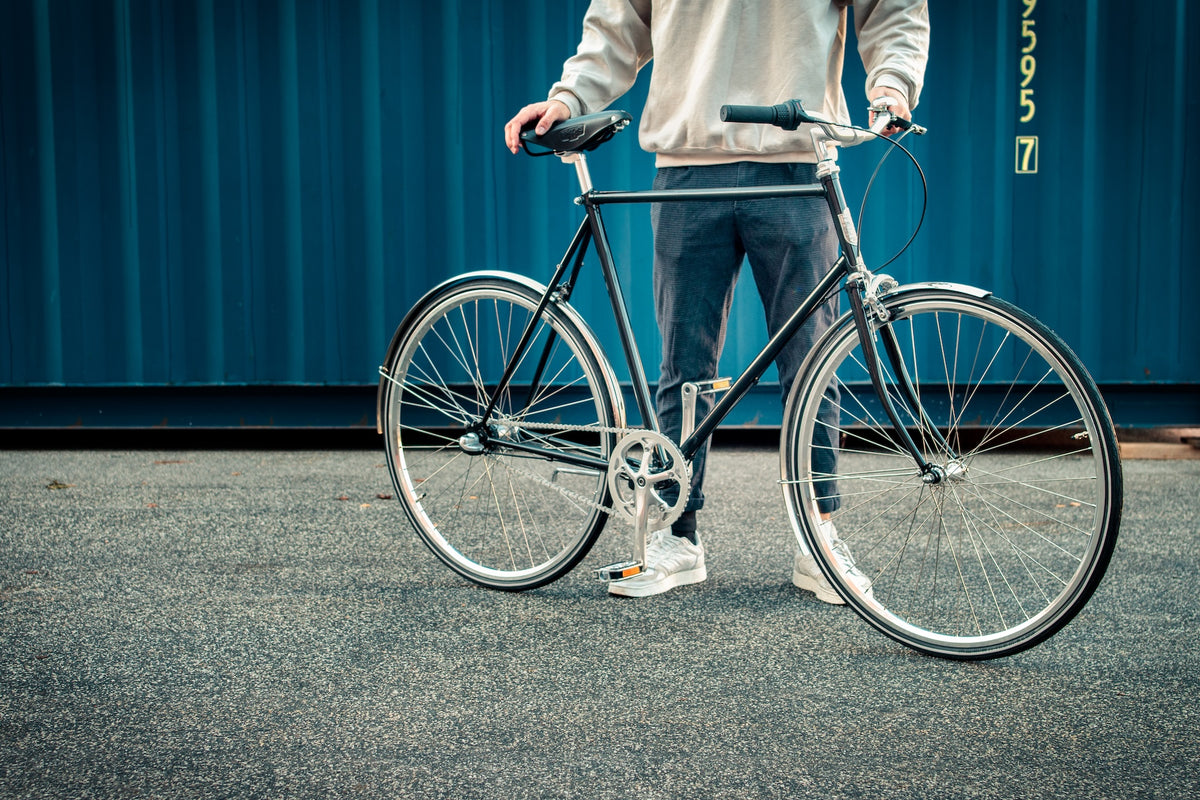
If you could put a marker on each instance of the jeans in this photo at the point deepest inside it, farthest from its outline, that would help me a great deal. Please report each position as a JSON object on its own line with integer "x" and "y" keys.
{"x": 698, "y": 253}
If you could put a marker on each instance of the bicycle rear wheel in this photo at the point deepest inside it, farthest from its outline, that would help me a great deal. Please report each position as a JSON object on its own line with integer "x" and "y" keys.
{"x": 1005, "y": 541}
{"x": 512, "y": 502}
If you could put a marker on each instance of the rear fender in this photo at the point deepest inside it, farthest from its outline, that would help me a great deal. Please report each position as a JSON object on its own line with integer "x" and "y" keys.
{"x": 536, "y": 289}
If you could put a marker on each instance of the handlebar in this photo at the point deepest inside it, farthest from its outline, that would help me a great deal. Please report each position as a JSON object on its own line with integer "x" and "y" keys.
{"x": 790, "y": 115}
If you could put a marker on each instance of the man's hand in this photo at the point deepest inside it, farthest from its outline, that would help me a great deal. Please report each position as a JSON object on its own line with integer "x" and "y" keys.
{"x": 546, "y": 113}
{"x": 899, "y": 108}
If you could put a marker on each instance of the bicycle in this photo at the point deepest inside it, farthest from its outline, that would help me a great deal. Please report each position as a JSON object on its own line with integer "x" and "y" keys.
{"x": 977, "y": 468}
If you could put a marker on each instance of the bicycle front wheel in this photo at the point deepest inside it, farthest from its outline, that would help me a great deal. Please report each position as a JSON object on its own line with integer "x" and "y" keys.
{"x": 1003, "y": 541}
{"x": 513, "y": 501}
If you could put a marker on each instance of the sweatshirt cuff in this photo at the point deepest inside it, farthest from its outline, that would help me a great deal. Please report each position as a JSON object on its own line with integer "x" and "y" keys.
{"x": 894, "y": 82}
{"x": 570, "y": 101}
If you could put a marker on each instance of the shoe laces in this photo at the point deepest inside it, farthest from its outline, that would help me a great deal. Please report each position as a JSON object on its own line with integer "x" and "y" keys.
{"x": 840, "y": 549}
{"x": 665, "y": 549}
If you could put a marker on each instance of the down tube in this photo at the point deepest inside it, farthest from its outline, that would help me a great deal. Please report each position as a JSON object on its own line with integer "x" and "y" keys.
{"x": 763, "y": 360}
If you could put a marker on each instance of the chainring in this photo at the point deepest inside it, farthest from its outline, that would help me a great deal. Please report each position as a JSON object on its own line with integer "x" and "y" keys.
{"x": 649, "y": 461}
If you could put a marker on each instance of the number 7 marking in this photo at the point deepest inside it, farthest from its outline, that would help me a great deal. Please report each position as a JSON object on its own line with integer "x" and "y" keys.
{"x": 1027, "y": 155}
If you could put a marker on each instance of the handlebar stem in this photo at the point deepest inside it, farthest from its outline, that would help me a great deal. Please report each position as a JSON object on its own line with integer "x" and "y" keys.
{"x": 825, "y": 146}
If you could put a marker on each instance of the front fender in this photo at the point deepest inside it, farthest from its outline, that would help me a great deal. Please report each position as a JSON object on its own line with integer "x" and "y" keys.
{"x": 899, "y": 295}
{"x": 939, "y": 286}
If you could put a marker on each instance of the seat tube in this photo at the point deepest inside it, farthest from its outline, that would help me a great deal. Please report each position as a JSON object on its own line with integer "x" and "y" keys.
{"x": 637, "y": 372}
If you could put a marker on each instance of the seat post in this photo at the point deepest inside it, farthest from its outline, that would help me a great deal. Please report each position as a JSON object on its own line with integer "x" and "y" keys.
{"x": 581, "y": 169}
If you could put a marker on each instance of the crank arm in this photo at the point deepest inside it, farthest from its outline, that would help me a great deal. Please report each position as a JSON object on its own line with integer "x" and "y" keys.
{"x": 636, "y": 566}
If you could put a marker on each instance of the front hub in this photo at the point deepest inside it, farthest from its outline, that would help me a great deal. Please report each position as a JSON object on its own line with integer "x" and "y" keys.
{"x": 954, "y": 471}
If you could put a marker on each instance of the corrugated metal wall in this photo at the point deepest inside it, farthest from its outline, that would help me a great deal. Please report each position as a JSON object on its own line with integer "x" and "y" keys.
{"x": 232, "y": 192}
{"x": 228, "y": 192}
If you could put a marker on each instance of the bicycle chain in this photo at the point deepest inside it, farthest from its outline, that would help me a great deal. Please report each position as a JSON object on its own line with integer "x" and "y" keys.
{"x": 554, "y": 426}
{"x": 536, "y": 478}
{"x": 546, "y": 426}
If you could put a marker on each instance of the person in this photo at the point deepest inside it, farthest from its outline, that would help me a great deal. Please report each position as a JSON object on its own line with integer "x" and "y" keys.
{"x": 705, "y": 55}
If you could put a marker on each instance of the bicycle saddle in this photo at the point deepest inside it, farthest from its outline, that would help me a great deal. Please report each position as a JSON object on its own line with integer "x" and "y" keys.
{"x": 577, "y": 134}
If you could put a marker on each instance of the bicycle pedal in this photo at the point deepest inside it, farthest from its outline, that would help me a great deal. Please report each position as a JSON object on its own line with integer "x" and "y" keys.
{"x": 619, "y": 571}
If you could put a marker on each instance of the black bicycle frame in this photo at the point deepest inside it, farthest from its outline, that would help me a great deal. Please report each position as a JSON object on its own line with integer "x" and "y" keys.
{"x": 591, "y": 231}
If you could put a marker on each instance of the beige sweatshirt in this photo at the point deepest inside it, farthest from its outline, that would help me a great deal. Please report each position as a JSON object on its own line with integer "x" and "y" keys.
{"x": 758, "y": 52}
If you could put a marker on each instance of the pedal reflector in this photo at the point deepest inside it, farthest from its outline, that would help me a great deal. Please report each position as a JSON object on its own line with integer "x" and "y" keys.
{"x": 619, "y": 571}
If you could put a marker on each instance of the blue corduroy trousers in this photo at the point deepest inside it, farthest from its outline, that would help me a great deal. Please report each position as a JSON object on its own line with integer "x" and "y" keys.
{"x": 699, "y": 249}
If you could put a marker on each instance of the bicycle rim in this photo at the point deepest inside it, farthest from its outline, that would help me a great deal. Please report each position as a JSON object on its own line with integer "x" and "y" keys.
{"x": 503, "y": 517}
{"x": 1008, "y": 540}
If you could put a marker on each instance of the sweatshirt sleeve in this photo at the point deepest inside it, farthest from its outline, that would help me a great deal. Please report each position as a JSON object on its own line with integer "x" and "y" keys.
{"x": 614, "y": 46}
{"x": 893, "y": 42}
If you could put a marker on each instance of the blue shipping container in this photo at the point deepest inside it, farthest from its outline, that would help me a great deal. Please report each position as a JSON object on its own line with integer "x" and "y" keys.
{"x": 221, "y": 198}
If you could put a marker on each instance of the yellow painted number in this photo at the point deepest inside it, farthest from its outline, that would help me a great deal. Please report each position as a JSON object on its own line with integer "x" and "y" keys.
{"x": 1027, "y": 64}
{"x": 1028, "y": 68}
{"x": 1027, "y": 155}
{"x": 1028, "y": 104}
{"x": 1027, "y": 33}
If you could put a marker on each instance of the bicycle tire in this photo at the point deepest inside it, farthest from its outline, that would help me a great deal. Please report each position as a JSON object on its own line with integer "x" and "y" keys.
{"x": 1012, "y": 541}
{"x": 500, "y": 517}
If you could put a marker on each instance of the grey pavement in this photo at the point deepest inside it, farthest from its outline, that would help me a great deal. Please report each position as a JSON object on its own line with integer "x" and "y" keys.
{"x": 211, "y": 623}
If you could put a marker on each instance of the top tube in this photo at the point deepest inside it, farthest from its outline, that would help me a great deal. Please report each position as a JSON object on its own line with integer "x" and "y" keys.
{"x": 695, "y": 195}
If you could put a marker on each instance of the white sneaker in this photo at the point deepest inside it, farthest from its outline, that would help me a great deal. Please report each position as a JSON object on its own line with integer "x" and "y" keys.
{"x": 807, "y": 575}
{"x": 670, "y": 561}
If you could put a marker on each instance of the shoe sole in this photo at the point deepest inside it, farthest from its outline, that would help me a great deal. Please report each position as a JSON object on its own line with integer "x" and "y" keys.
{"x": 684, "y": 578}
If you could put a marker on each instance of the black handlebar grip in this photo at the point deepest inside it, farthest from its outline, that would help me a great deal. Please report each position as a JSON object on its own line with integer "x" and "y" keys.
{"x": 788, "y": 115}
{"x": 762, "y": 115}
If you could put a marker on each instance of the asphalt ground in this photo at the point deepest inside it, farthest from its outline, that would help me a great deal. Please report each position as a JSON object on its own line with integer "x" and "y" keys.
{"x": 211, "y": 623}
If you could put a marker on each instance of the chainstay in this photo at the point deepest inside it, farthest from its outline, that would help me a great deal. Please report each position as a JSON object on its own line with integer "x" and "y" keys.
{"x": 685, "y": 479}
{"x": 546, "y": 426}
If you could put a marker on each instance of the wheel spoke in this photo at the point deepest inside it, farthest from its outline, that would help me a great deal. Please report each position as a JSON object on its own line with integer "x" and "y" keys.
{"x": 1004, "y": 541}
{"x": 499, "y": 516}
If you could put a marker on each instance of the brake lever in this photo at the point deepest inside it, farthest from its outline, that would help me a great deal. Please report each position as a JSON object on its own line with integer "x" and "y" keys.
{"x": 885, "y": 118}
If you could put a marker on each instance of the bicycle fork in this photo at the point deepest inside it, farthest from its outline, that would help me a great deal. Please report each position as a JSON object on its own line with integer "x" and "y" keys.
{"x": 864, "y": 289}
{"x": 864, "y": 300}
